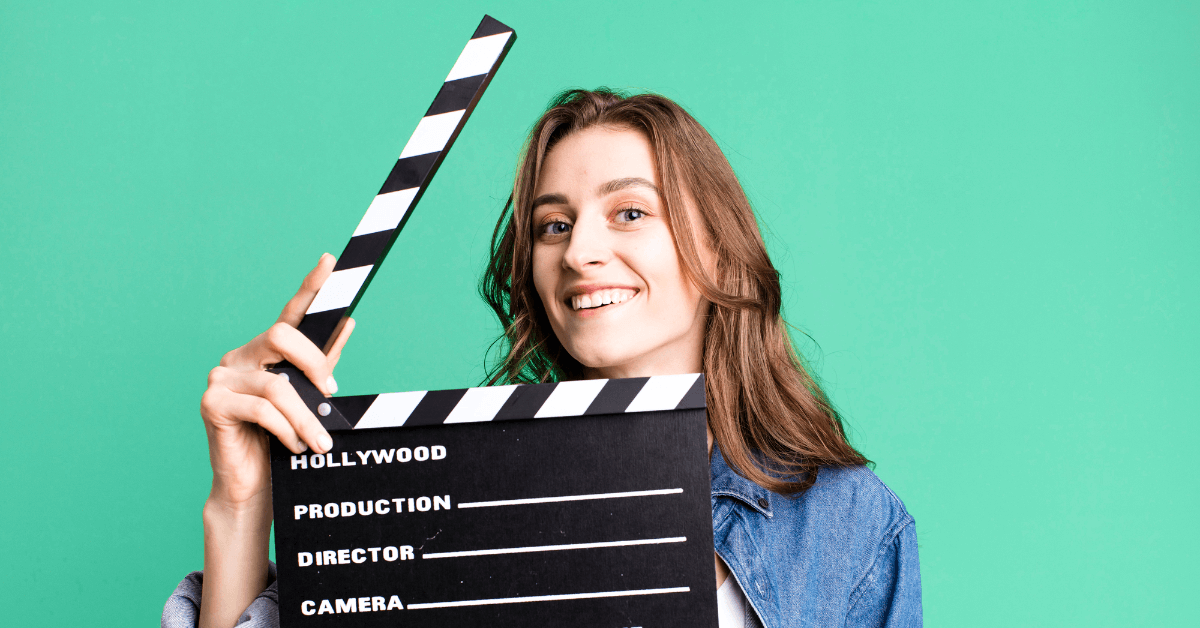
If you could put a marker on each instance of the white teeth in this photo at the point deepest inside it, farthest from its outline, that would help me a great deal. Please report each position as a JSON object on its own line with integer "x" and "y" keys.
{"x": 599, "y": 298}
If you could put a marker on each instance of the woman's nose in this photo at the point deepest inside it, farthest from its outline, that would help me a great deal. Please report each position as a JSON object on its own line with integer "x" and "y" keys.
{"x": 588, "y": 246}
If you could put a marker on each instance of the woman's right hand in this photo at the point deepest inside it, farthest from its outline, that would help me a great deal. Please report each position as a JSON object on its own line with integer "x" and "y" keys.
{"x": 243, "y": 399}
{"x": 242, "y": 404}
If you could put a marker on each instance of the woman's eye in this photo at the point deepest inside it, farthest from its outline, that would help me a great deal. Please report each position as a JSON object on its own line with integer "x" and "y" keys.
{"x": 556, "y": 228}
{"x": 630, "y": 214}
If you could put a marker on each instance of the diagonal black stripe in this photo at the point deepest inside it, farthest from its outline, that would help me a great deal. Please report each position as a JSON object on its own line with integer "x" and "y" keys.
{"x": 318, "y": 327}
{"x": 694, "y": 398}
{"x": 435, "y": 406}
{"x": 456, "y": 95}
{"x": 616, "y": 395}
{"x": 490, "y": 26}
{"x": 407, "y": 173}
{"x": 354, "y": 407}
{"x": 364, "y": 250}
{"x": 410, "y": 172}
{"x": 525, "y": 401}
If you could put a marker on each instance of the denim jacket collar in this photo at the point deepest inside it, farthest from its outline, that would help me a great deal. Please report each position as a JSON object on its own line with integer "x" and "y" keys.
{"x": 727, "y": 483}
{"x": 734, "y": 537}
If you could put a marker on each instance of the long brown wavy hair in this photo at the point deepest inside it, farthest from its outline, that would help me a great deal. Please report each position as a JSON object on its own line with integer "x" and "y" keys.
{"x": 771, "y": 420}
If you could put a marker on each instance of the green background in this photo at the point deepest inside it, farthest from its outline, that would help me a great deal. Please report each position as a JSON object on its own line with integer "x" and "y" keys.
{"x": 985, "y": 213}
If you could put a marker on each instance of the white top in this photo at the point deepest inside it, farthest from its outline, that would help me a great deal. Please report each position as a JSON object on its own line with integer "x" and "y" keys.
{"x": 731, "y": 604}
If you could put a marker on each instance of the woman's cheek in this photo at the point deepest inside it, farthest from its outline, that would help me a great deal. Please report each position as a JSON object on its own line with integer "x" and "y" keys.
{"x": 544, "y": 279}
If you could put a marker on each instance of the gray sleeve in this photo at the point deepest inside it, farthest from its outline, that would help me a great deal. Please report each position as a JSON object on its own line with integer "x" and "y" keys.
{"x": 182, "y": 609}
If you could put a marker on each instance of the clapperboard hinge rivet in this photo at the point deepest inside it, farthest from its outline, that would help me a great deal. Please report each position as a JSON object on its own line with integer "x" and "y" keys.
{"x": 324, "y": 409}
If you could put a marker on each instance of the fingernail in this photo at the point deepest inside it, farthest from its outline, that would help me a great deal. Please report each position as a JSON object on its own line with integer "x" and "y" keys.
{"x": 325, "y": 441}
{"x": 331, "y": 384}
{"x": 303, "y": 446}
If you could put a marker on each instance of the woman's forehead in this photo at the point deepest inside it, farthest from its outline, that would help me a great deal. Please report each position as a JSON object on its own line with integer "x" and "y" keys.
{"x": 597, "y": 161}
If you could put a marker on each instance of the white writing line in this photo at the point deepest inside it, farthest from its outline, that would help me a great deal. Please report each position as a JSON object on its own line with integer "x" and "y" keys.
{"x": 553, "y": 548}
{"x": 548, "y": 598}
{"x": 567, "y": 498}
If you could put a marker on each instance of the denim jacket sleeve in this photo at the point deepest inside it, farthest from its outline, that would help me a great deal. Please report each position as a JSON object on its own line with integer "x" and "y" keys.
{"x": 182, "y": 609}
{"x": 889, "y": 594}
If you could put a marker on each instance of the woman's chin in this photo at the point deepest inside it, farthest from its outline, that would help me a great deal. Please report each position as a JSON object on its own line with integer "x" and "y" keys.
{"x": 611, "y": 366}
{"x": 602, "y": 364}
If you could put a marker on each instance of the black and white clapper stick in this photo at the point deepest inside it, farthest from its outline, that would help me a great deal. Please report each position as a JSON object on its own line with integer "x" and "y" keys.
{"x": 385, "y": 217}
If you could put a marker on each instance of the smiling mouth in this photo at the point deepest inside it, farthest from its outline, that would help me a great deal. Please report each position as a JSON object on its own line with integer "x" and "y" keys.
{"x": 601, "y": 298}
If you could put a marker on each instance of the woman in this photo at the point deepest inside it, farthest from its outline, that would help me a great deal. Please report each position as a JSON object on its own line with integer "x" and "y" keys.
{"x": 628, "y": 249}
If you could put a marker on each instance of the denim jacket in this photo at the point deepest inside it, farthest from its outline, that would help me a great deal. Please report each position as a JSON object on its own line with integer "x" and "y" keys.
{"x": 842, "y": 554}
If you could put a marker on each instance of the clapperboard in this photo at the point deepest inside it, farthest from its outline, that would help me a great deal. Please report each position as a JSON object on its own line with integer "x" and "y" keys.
{"x": 582, "y": 503}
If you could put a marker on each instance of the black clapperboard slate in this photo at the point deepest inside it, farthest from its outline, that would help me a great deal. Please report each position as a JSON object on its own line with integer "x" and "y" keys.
{"x": 601, "y": 517}
{"x": 578, "y": 503}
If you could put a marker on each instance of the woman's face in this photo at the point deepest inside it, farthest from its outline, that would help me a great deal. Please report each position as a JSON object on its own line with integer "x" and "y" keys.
{"x": 604, "y": 261}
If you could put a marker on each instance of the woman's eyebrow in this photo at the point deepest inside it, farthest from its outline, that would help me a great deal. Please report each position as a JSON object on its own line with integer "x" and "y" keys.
{"x": 603, "y": 190}
{"x": 553, "y": 199}
{"x": 627, "y": 182}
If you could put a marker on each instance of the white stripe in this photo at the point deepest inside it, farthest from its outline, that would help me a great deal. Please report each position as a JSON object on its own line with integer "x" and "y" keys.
{"x": 570, "y": 398}
{"x": 386, "y": 211}
{"x": 479, "y": 56}
{"x": 554, "y": 548}
{"x": 662, "y": 392}
{"x": 432, "y": 133}
{"x": 568, "y": 498}
{"x": 390, "y": 409}
{"x": 339, "y": 290}
{"x": 480, "y": 404}
{"x": 547, "y": 598}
